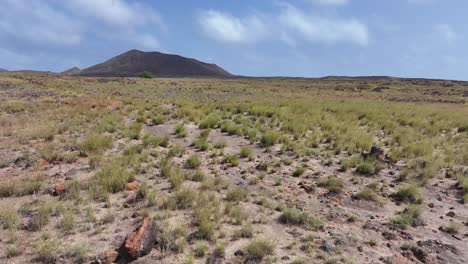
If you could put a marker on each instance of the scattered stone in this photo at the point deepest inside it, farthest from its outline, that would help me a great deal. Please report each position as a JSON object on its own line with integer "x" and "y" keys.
{"x": 431, "y": 205}
{"x": 59, "y": 189}
{"x": 107, "y": 257}
{"x": 327, "y": 247}
{"x": 132, "y": 186}
{"x": 450, "y": 214}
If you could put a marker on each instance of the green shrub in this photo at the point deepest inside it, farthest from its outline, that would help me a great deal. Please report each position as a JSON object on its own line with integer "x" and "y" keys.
{"x": 294, "y": 216}
{"x": 298, "y": 171}
{"x": 20, "y": 187}
{"x": 409, "y": 193}
{"x": 269, "y": 138}
{"x": 200, "y": 249}
{"x": 367, "y": 194}
{"x": 259, "y": 248}
{"x": 407, "y": 217}
{"x": 176, "y": 151}
{"x": 113, "y": 177}
{"x": 146, "y": 75}
{"x": 9, "y": 218}
{"x": 185, "y": 197}
{"x": 369, "y": 167}
{"x": 233, "y": 160}
{"x": 47, "y": 251}
{"x": 332, "y": 184}
{"x": 180, "y": 130}
{"x": 154, "y": 141}
{"x": 209, "y": 122}
{"x": 246, "y": 152}
{"x": 198, "y": 176}
{"x": 67, "y": 222}
{"x": 236, "y": 194}
{"x": 193, "y": 162}
{"x": 133, "y": 131}
{"x": 95, "y": 143}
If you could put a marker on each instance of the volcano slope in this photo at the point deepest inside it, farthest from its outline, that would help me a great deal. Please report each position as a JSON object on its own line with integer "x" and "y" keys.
{"x": 334, "y": 170}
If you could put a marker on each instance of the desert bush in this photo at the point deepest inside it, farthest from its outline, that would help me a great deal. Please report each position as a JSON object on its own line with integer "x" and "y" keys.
{"x": 452, "y": 228}
{"x": 47, "y": 251}
{"x": 233, "y": 160}
{"x": 193, "y": 162}
{"x": 269, "y": 138}
{"x": 245, "y": 231}
{"x": 197, "y": 176}
{"x": 95, "y": 143}
{"x": 407, "y": 217}
{"x": 9, "y": 218}
{"x": 176, "y": 151}
{"x": 246, "y": 152}
{"x": 369, "y": 167}
{"x": 180, "y": 130}
{"x": 21, "y": 187}
{"x": 133, "y": 131}
{"x": 41, "y": 218}
{"x": 259, "y": 248}
{"x": 409, "y": 193}
{"x": 79, "y": 252}
{"x": 236, "y": 194}
{"x": 209, "y": 122}
{"x": 220, "y": 144}
{"x": 113, "y": 177}
{"x": 146, "y": 75}
{"x": 298, "y": 171}
{"x": 185, "y": 197}
{"x": 367, "y": 194}
{"x": 332, "y": 184}
{"x": 294, "y": 216}
{"x": 154, "y": 141}
{"x": 200, "y": 249}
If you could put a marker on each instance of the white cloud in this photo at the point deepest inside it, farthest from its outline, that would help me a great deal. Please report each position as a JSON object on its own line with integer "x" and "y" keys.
{"x": 290, "y": 25}
{"x": 331, "y": 2}
{"x": 38, "y": 22}
{"x": 445, "y": 32}
{"x": 115, "y": 12}
{"x": 68, "y": 23}
{"x": 320, "y": 29}
{"x": 227, "y": 28}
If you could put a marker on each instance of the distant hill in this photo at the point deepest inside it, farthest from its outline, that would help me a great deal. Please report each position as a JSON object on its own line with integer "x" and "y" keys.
{"x": 134, "y": 62}
{"x": 72, "y": 71}
{"x": 3, "y": 70}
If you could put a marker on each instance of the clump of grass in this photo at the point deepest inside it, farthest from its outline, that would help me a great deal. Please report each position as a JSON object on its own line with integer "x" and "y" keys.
{"x": 298, "y": 171}
{"x": 245, "y": 231}
{"x": 407, "y": 217}
{"x": 233, "y": 160}
{"x": 47, "y": 251}
{"x": 133, "y": 131}
{"x": 180, "y": 130}
{"x": 185, "y": 197}
{"x": 193, "y": 162}
{"x": 200, "y": 249}
{"x": 79, "y": 252}
{"x": 209, "y": 122}
{"x": 368, "y": 194}
{"x": 113, "y": 177}
{"x": 95, "y": 143}
{"x": 197, "y": 176}
{"x": 332, "y": 184}
{"x": 259, "y": 248}
{"x": 21, "y": 187}
{"x": 9, "y": 218}
{"x": 220, "y": 144}
{"x": 201, "y": 142}
{"x": 176, "y": 151}
{"x": 294, "y": 216}
{"x": 269, "y": 138}
{"x": 154, "y": 141}
{"x": 237, "y": 215}
{"x": 409, "y": 193}
{"x": 246, "y": 152}
{"x": 68, "y": 221}
{"x": 236, "y": 194}
{"x": 452, "y": 228}
{"x": 369, "y": 167}
{"x": 41, "y": 218}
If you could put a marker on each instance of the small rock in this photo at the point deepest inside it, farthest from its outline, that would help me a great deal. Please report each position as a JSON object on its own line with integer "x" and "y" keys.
{"x": 327, "y": 247}
{"x": 59, "y": 189}
{"x": 450, "y": 214}
{"x": 108, "y": 257}
{"x": 431, "y": 205}
{"x": 132, "y": 186}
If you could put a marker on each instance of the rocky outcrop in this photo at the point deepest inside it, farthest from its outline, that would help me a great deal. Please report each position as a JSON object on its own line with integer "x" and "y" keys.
{"x": 140, "y": 242}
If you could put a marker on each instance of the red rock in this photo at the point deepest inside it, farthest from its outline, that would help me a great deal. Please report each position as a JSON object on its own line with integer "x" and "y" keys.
{"x": 141, "y": 241}
{"x": 43, "y": 163}
{"x": 132, "y": 186}
{"x": 59, "y": 189}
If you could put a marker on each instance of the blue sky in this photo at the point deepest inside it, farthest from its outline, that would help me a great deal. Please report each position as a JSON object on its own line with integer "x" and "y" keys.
{"x": 311, "y": 38}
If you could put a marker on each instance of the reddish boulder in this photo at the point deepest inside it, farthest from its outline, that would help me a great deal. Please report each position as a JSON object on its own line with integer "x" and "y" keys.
{"x": 141, "y": 241}
{"x": 43, "y": 163}
{"x": 59, "y": 189}
{"x": 132, "y": 186}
